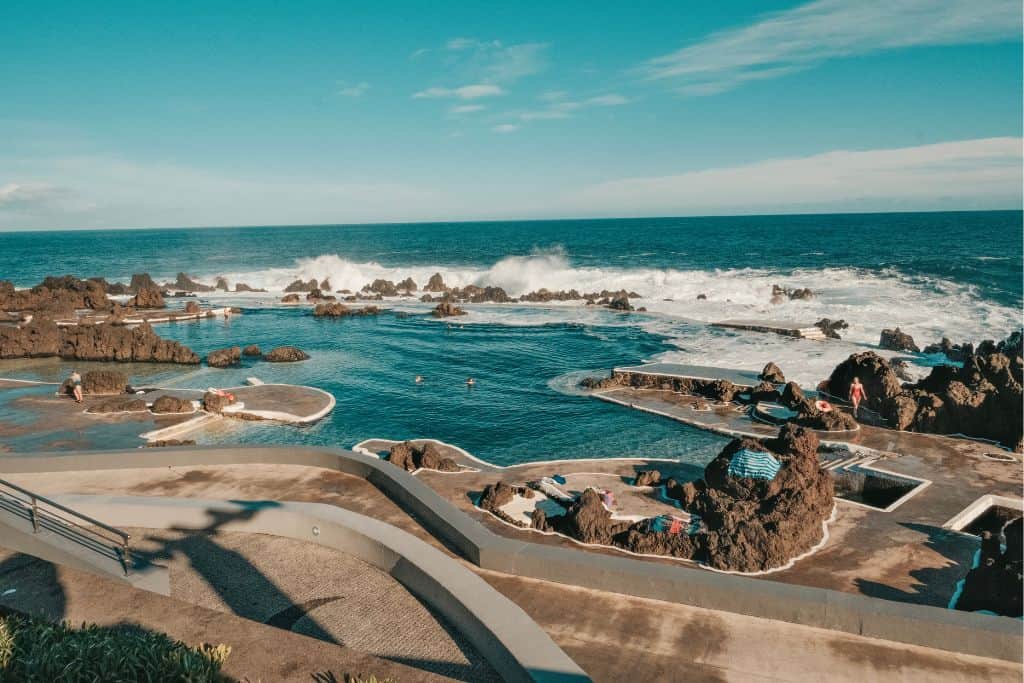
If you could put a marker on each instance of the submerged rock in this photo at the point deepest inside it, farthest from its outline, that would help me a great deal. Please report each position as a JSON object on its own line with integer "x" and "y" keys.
{"x": 223, "y": 358}
{"x": 286, "y": 354}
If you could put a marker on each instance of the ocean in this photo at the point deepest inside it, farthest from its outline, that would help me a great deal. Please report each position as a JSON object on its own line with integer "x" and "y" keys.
{"x": 933, "y": 274}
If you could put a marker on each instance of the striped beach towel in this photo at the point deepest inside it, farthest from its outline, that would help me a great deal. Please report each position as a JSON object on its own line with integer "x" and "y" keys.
{"x": 753, "y": 465}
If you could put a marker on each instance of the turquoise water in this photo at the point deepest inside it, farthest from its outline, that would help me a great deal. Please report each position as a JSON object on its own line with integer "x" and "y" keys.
{"x": 956, "y": 274}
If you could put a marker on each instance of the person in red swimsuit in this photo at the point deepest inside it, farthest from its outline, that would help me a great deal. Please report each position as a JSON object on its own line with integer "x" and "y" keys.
{"x": 857, "y": 394}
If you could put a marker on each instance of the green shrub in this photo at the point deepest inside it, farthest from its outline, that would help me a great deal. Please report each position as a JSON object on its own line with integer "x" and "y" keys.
{"x": 33, "y": 650}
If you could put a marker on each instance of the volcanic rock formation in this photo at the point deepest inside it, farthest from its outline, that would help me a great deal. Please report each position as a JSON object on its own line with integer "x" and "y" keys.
{"x": 411, "y": 456}
{"x": 286, "y": 354}
{"x": 996, "y": 583}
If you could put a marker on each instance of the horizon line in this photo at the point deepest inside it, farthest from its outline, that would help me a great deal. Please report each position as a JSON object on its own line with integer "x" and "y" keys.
{"x": 467, "y": 221}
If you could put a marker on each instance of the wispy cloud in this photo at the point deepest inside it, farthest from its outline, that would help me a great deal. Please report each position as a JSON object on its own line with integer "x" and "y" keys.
{"x": 506, "y": 128}
{"x": 20, "y": 195}
{"x": 466, "y": 92}
{"x": 357, "y": 90}
{"x": 559, "y": 107}
{"x": 467, "y": 108}
{"x": 797, "y": 39}
{"x": 965, "y": 172}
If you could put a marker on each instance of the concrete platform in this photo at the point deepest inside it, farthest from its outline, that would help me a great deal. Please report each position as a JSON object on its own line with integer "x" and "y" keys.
{"x": 153, "y": 315}
{"x": 783, "y": 327}
{"x": 612, "y": 636}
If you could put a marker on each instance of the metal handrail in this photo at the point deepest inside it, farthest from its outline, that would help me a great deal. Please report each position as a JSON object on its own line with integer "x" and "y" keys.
{"x": 34, "y": 501}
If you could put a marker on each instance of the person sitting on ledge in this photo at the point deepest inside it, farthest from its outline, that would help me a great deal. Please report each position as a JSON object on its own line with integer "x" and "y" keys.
{"x": 76, "y": 385}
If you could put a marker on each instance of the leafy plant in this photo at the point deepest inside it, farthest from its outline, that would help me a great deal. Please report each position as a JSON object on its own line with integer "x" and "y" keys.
{"x": 37, "y": 651}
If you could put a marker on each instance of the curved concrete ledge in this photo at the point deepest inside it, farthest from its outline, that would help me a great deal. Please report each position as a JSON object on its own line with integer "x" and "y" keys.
{"x": 510, "y": 640}
{"x": 935, "y": 627}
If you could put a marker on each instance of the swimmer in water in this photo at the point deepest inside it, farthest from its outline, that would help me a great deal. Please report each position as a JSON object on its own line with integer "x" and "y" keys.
{"x": 470, "y": 381}
{"x": 419, "y": 379}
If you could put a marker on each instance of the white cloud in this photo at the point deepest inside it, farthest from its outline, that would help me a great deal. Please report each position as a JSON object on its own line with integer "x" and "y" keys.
{"x": 467, "y": 108}
{"x": 966, "y": 173}
{"x": 506, "y": 128}
{"x": 466, "y": 92}
{"x": 357, "y": 90}
{"x": 799, "y": 38}
{"x": 22, "y": 195}
{"x": 513, "y": 62}
{"x": 561, "y": 108}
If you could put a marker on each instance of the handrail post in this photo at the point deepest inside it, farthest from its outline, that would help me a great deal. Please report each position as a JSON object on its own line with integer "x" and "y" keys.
{"x": 35, "y": 516}
{"x": 127, "y": 555}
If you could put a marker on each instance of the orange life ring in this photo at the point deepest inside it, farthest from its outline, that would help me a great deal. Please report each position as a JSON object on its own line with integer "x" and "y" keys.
{"x": 823, "y": 406}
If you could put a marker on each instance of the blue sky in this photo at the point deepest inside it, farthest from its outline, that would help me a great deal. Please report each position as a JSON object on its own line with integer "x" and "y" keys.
{"x": 182, "y": 114}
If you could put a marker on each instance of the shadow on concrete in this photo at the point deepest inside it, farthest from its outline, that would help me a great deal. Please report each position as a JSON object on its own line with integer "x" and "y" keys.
{"x": 37, "y": 590}
{"x": 933, "y": 585}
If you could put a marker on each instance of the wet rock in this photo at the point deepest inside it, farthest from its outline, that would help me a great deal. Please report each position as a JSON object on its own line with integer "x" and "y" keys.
{"x": 897, "y": 340}
{"x": 648, "y": 478}
{"x": 39, "y": 338}
{"x": 543, "y": 295}
{"x": 407, "y": 285}
{"x": 252, "y": 350}
{"x": 215, "y": 403}
{"x": 139, "y": 282}
{"x": 435, "y": 284}
{"x": 104, "y": 382}
{"x": 162, "y": 443}
{"x": 721, "y": 390}
{"x": 148, "y": 297}
{"x": 221, "y": 284}
{"x": 192, "y": 307}
{"x": 702, "y": 297}
{"x": 223, "y": 358}
{"x": 187, "y": 284}
{"x": 411, "y": 457}
{"x": 446, "y": 309}
{"x": 242, "y": 287}
{"x": 588, "y": 520}
{"x": 792, "y": 395}
{"x": 121, "y": 404}
{"x": 831, "y": 328}
{"x": 824, "y": 420}
{"x": 338, "y": 310}
{"x": 286, "y": 354}
{"x": 996, "y": 583}
{"x": 954, "y": 352}
{"x": 300, "y": 286}
{"x": 902, "y": 368}
{"x": 773, "y": 374}
{"x": 325, "y": 285}
{"x": 874, "y": 372}
{"x": 171, "y": 404}
{"x": 764, "y": 391}
{"x": 382, "y": 287}
{"x": 596, "y": 383}
{"x": 109, "y": 343}
{"x": 780, "y": 294}
{"x": 620, "y": 303}
{"x": 290, "y": 298}
{"x": 55, "y": 296}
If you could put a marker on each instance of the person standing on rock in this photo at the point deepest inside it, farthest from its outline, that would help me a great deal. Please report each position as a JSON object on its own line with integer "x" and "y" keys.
{"x": 76, "y": 385}
{"x": 857, "y": 394}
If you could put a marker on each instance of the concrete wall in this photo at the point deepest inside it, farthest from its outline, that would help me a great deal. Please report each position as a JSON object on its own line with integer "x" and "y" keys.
{"x": 975, "y": 634}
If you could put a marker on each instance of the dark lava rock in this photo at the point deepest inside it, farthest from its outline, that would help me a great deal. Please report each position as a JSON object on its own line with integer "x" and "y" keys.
{"x": 446, "y": 309}
{"x": 588, "y": 520}
{"x": 242, "y": 287}
{"x": 721, "y": 390}
{"x": 192, "y": 307}
{"x": 411, "y": 457}
{"x": 55, "y": 296}
{"x": 648, "y": 478}
{"x": 897, "y": 340}
{"x": 187, "y": 284}
{"x": 121, "y": 404}
{"x": 290, "y": 298}
{"x": 286, "y": 354}
{"x": 171, "y": 404}
{"x": 996, "y": 583}
{"x": 252, "y": 350}
{"x": 112, "y": 288}
{"x": 338, "y": 310}
{"x": 773, "y": 374}
{"x": 543, "y": 295}
{"x": 764, "y": 391}
{"x": 223, "y": 358}
{"x": 108, "y": 343}
{"x": 38, "y": 338}
{"x": 792, "y": 395}
{"x": 407, "y": 285}
{"x": 382, "y": 287}
{"x": 148, "y": 297}
{"x": 300, "y": 286}
{"x": 435, "y": 284}
{"x": 620, "y": 303}
{"x": 828, "y": 421}
{"x": 104, "y": 382}
{"x": 954, "y": 352}
{"x": 831, "y": 328}
{"x": 780, "y": 294}
{"x": 162, "y": 443}
{"x": 222, "y": 284}
{"x": 325, "y": 284}
{"x": 214, "y": 402}
{"x": 594, "y": 383}
{"x": 139, "y": 282}
{"x": 879, "y": 380}
{"x": 702, "y": 297}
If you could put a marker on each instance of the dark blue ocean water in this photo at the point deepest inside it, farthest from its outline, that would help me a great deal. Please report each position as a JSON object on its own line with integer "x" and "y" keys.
{"x": 955, "y": 274}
